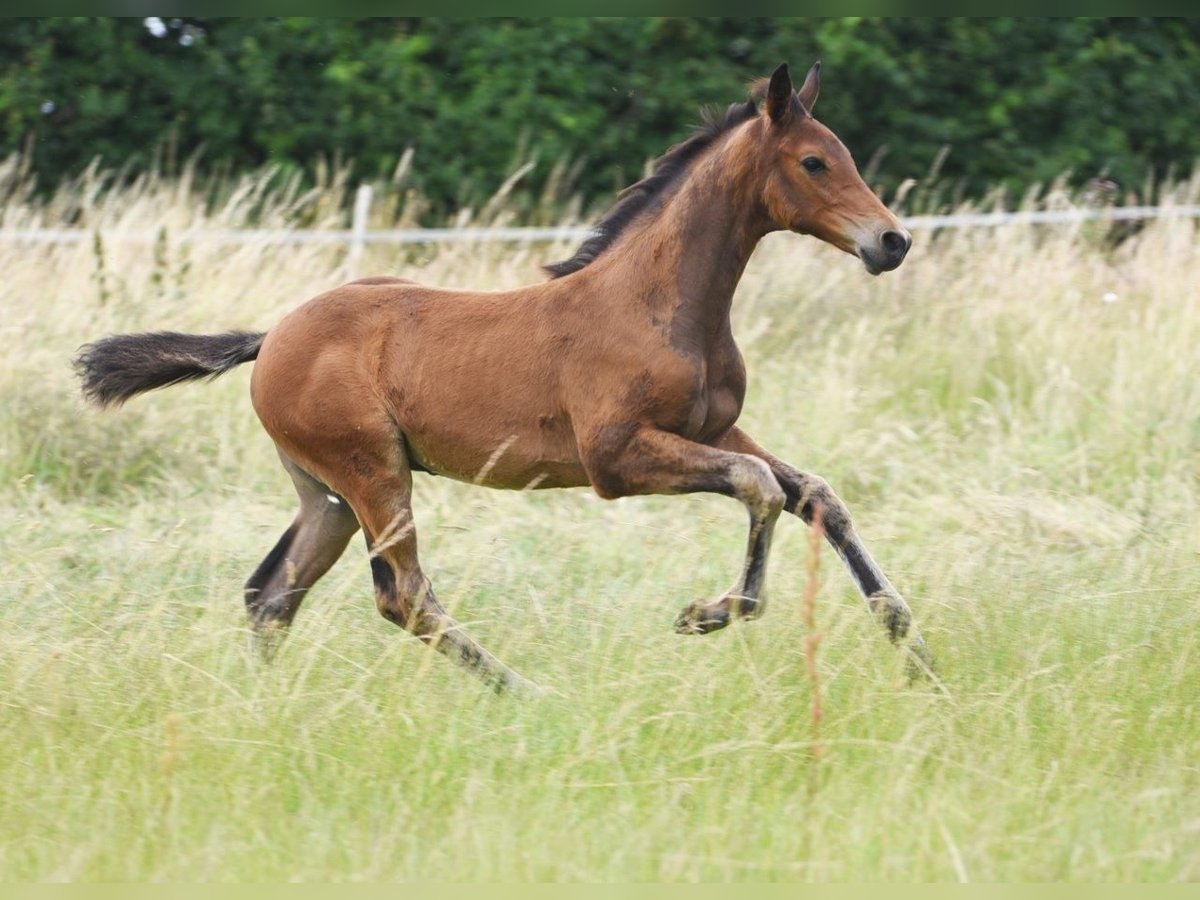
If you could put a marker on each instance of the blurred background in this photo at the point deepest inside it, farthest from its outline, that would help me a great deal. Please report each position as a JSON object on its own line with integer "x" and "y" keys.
{"x": 449, "y": 109}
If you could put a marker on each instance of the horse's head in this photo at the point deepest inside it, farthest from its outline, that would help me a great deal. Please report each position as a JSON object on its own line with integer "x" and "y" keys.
{"x": 812, "y": 185}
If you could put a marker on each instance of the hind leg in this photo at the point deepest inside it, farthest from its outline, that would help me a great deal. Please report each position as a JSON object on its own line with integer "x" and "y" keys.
{"x": 365, "y": 462}
{"x": 403, "y": 594}
{"x": 306, "y": 551}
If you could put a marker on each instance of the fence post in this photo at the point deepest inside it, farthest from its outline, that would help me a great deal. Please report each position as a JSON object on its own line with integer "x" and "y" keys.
{"x": 358, "y": 228}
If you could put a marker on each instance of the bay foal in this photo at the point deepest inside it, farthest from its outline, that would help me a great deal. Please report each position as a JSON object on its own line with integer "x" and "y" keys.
{"x": 619, "y": 373}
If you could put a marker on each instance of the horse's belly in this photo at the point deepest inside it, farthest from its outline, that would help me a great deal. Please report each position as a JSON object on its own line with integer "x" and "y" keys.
{"x": 503, "y": 458}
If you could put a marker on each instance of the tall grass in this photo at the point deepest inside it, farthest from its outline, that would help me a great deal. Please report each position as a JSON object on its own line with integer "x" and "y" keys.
{"x": 1013, "y": 417}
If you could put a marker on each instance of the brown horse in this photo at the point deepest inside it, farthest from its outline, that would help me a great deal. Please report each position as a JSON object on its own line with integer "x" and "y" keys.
{"x": 619, "y": 373}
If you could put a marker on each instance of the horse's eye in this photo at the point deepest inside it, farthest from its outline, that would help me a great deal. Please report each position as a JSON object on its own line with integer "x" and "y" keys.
{"x": 812, "y": 165}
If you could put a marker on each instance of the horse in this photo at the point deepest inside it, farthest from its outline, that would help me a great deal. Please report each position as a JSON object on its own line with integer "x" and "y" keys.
{"x": 619, "y": 372}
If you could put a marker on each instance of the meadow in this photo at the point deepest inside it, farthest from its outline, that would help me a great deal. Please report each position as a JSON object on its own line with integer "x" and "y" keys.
{"x": 1013, "y": 417}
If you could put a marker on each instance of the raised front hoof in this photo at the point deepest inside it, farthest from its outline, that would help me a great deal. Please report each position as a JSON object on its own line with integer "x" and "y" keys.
{"x": 891, "y": 610}
{"x": 704, "y": 616}
{"x": 697, "y": 619}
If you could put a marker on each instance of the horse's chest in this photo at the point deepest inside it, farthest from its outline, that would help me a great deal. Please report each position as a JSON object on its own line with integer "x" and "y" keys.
{"x": 718, "y": 400}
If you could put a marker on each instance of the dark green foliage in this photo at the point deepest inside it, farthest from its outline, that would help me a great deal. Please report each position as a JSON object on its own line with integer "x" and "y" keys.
{"x": 1018, "y": 101}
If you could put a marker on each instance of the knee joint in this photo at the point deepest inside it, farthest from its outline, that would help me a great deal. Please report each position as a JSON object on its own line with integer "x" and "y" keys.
{"x": 757, "y": 487}
{"x": 818, "y": 493}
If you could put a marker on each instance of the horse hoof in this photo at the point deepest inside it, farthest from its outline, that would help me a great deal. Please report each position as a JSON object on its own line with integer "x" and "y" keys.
{"x": 919, "y": 662}
{"x": 518, "y": 686}
{"x": 699, "y": 618}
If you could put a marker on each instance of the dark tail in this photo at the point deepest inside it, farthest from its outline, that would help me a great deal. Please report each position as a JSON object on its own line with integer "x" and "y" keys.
{"x": 116, "y": 368}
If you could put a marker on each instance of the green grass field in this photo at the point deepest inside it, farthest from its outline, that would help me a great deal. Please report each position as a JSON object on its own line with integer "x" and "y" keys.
{"x": 1021, "y": 453}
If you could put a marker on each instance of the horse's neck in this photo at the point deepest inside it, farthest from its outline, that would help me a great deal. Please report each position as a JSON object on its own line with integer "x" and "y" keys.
{"x": 685, "y": 262}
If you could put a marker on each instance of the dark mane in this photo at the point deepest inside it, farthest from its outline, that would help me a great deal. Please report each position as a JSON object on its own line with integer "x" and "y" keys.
{"x": 637, "y": 197}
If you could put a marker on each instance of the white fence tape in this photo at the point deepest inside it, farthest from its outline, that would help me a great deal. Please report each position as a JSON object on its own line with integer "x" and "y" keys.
{"x": 299, "y": 235}
{"x": 360, "y": 235}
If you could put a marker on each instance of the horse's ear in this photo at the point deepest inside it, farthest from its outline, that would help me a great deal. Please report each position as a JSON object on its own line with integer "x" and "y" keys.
{"x": 780, "y": 96}
{"x": 811, "y": 87}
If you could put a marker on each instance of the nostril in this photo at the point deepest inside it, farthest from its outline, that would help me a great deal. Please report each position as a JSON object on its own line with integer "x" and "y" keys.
{"x": 895, "y": 243}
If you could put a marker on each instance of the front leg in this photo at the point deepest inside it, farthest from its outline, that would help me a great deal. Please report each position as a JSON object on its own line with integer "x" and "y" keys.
{"x": 625, "y": 460}
{"x": 805, "y": 493}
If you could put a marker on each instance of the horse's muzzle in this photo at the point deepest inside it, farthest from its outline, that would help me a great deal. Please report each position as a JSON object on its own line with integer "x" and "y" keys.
{"x": 887, "y": 253}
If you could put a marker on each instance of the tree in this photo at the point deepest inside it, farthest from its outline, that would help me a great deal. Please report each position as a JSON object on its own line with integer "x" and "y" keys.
{"x": 1016, "y": 100}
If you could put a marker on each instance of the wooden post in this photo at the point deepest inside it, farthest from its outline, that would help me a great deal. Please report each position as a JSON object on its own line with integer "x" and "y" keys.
{"x": 358, "y": 228}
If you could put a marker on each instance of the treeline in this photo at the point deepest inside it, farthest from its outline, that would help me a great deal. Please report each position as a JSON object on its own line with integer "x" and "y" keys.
{"x": 1016, "y": 101}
